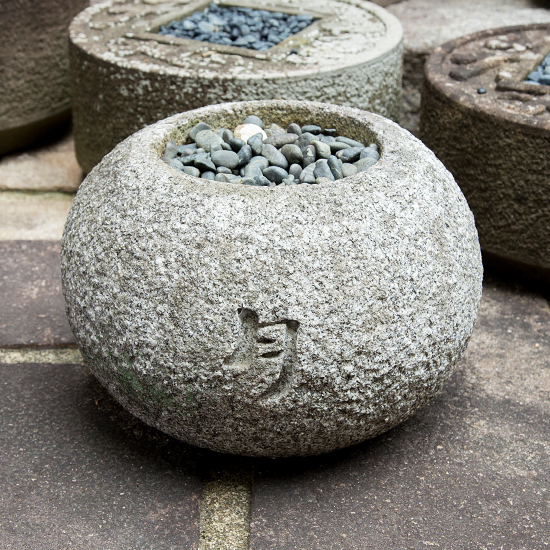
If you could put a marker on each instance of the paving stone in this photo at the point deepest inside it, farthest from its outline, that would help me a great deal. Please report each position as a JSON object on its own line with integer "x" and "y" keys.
{"x": 47, "y": 167}
{"x": 79, "y": 472}
{"x": 36, "y": 216}
{"x": 470, "y": 470}
{"x": 32, "y": 309}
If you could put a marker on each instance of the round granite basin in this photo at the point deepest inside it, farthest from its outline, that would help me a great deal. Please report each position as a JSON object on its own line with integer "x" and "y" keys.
{"x": 272, "y": 321}
{"x": 126, "y": 76}
{"x": 34, "y": 69}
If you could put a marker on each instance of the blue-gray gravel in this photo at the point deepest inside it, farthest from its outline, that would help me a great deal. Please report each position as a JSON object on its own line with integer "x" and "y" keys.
{"x": 236, "y": 26}
{"x": 303, "y": 155}
{"x": 541, "y": 75}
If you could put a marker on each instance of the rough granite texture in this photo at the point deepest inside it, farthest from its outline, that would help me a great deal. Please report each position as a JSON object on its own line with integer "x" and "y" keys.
{"x": 428, "y": 24}
{"x": 276, "y": 321}
{"x": 496, "y": 144}
{"x": 34, "y": 68}
{"x": 125, "y": 77}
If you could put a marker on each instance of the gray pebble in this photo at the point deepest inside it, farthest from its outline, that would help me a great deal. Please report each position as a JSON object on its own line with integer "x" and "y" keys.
{"x": 310, "y": 156}
{"x": 262, "y": 180}
{"x": 236, "y": 144}
{"x": 262, "y": 161}
{"x": 323, "y": 180}
{"x": 322, "y": 170}
{"x": 174, "y": 163}
{"x": 256, "y": 143}
{"x": 304, "y": 140}
{"x": 350, "y": 155}
{"x": 208, "y": 175}
{"x": 227, "y": 135}
{"x": 294, "y": 129}
{"x": 206, "y": 139}
{"x": 322, "y": 150}
{"x": 292, "y": 153}
{"x": 349, "y": 141}
{"x": 191, "y": 171}
{"x": 295, "y": 170}
{"x": 374, "y": 146}
{"x": 171, "y": 150}
{"x": 226, "y": 146}
{"x": 369, "y": 152}
{"x": 336, "y": 146}
{"x": 189, "y": 160}
{"x": 222, "y": 177}
{"x": 326, "y": 139}
{"x": 223, "y": 170}
{"x": 253, "y": 170}
{"x": 274, "y": 156}
{"x": 198, "y": 128}
{"x": 225, "y": 158}
{"x": 249, "y": 181}
{"x": 188, "y": 149}
{"x": 348, "y": 170}
{"x": 307, "y": 176}
{"x": 245, "y": 154}
{"x": 275, "y": 174}
{"x": 289, "y": 180}
{"x": 205, "y": 164}
{"x": 335, "y": 166}
{"x": 253, "y": 119}
{"x": 274, "y": 129}
{"x": 364, "y": 164}
{"x": 312, "y": 129}
{"x": 278, "y": 140}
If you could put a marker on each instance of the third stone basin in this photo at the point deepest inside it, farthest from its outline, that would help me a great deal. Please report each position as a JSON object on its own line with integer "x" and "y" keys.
{"x": 272, "y": 321}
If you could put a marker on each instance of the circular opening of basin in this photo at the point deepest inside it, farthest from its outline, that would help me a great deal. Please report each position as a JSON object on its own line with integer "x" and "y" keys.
{"x": 247, "y": 154}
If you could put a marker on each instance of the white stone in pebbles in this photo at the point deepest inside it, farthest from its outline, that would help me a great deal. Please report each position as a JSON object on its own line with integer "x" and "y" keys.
{"x": 245, "y": 131}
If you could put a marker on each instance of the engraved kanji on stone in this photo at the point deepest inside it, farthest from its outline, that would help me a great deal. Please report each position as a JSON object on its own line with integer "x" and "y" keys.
{"x": 264, "y": 343}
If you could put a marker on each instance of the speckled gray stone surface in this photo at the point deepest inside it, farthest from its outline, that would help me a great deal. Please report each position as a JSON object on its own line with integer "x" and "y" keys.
{"x": 276, "y": 321}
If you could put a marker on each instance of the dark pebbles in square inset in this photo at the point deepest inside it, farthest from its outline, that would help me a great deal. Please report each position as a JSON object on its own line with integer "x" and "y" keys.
{"x": 235, "y": 26}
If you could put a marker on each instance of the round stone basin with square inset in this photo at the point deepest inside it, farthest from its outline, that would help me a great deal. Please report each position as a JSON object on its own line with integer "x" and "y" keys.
{"x": 491, "y": 128}
{"x": 126, "y": 76}
{"x": 272, "y": 321}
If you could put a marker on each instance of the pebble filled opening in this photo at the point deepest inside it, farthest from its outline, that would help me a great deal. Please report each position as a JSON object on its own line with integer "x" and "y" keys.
{"x": 252, "y": 155}
{"x": 237, "y": 26}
